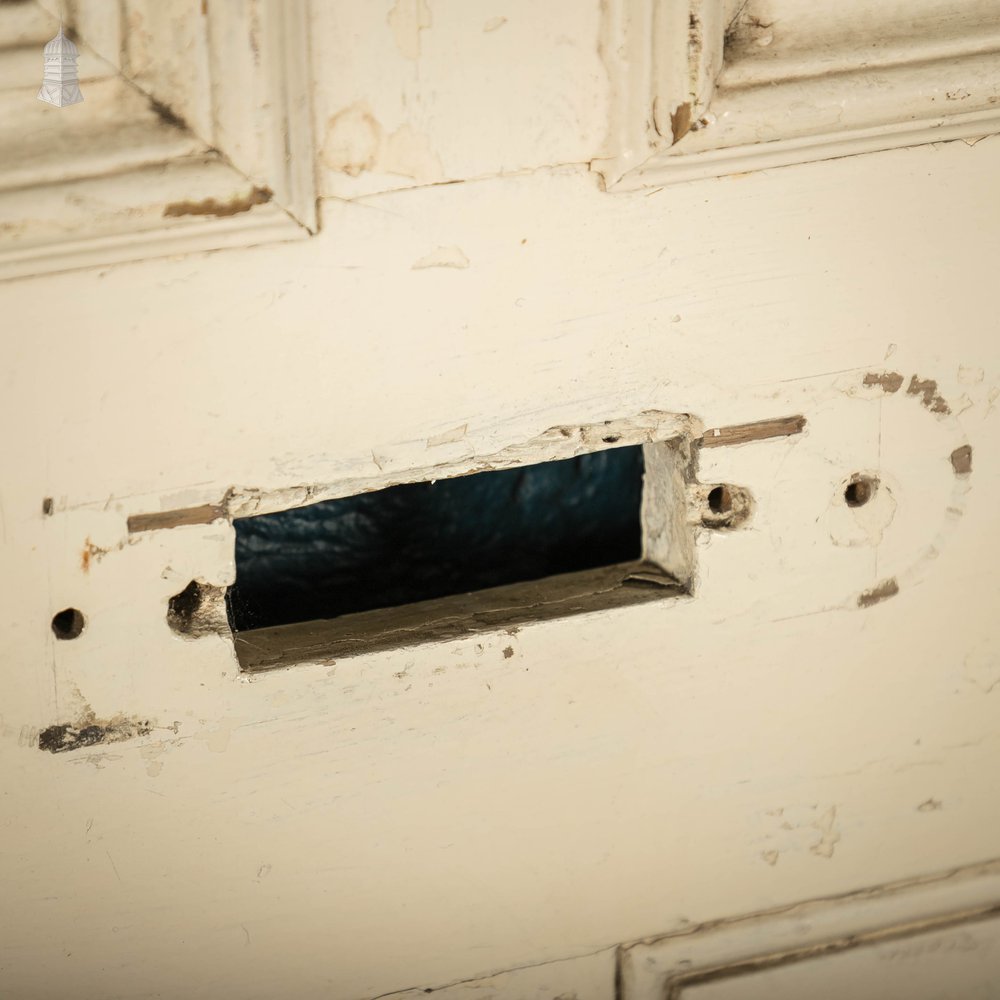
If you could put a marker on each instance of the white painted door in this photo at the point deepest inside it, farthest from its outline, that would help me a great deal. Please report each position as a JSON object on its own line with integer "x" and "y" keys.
{"x": 285, "y": 253}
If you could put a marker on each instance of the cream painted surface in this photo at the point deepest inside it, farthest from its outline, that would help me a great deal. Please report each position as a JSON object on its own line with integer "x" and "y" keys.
{"x": 444, "y": 812}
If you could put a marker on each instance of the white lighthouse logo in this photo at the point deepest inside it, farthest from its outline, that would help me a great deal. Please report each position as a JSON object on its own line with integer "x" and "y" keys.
{"x": 61, "y": 85}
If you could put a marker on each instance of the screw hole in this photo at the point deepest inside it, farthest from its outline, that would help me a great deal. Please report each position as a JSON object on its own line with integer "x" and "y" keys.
{"x": 720, "y": 500}
{"x": 68, "y": 623}
{"x": 859, "y": 491}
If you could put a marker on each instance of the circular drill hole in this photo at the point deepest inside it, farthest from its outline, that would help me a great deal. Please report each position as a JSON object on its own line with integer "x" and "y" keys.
{"x": 859, "y": 491}
{"x": 719, "y": 500}
{"x": 68, "y": 623}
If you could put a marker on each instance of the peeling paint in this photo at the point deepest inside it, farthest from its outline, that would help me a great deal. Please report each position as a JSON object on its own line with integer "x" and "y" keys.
{"x": 448, "y": 437}
{"x": 829, "y": 834}
{"x": 927, "y": 390}
{"x": 408, "y": 153}
{"x": 882, "y": 592}
{"x": 443, "y": 257}
{"x": 969, "y": 375}
{"x": 211, "y": 206}
{"x": 887, "y": 381}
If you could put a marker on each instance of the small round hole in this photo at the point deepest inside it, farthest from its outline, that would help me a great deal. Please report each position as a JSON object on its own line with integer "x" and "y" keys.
{"x": 68, "y": 623}
{"x": 719, "y": 500}
{"x": 859, "y": 491}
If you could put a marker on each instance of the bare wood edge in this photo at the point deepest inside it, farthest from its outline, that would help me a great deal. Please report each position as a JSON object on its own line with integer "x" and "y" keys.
{"x": 204, "y": 514}
{"x": 760, "y": 430}
{"x": 667, "y": 168}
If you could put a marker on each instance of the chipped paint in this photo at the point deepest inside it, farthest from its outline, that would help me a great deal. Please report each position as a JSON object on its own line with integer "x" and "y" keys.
{"x": 882, "y": 592}
{"x": 961, "y": 460}
{"x": 927, "y": 390}
{"x": 680, "y": 122}
{"x": 887, "y": 381}
{"x": 826, "y": 825}
{"x": 213, "y": 207}
{"x": 408, "y": 153}
{"x": 161, "y": 520}
{"x": 443, "y": 257}
{"x": 90, "y": 731}
{"x": 448, "y": 437}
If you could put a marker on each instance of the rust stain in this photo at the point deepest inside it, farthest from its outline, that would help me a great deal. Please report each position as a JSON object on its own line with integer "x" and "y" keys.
{"x": 90, "y": 731}
{"x": 882, "y": 592}
{"x": 210, "y": 206}
{"x": 961, "y": 460}
{"x": 680, "y": 122}
{"x": 91, "y": 552}
{"x": 889, "y": 381}
{"x": 927, "y": 390}
{"x": 205, "y": 514}
{"x": 758, "y": 431}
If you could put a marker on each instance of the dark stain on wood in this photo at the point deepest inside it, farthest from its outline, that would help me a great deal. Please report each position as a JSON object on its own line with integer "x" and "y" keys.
{"x": 211, "y": 206}
{"x": 680, "y": 122}
{"x": 761, "y": 430}
{"x": 89, "y": 732}
{"x": 882, "y": 592}
{"x": 961, "y": 460}
{"x": 205, "y": 514}
{"x": 888, "y": 381}
{"x": 927, "y": 390}
{"x": 166, "y": 114}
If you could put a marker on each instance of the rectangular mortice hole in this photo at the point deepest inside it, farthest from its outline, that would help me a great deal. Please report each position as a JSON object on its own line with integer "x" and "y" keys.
{"x": 436, "y": 559}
